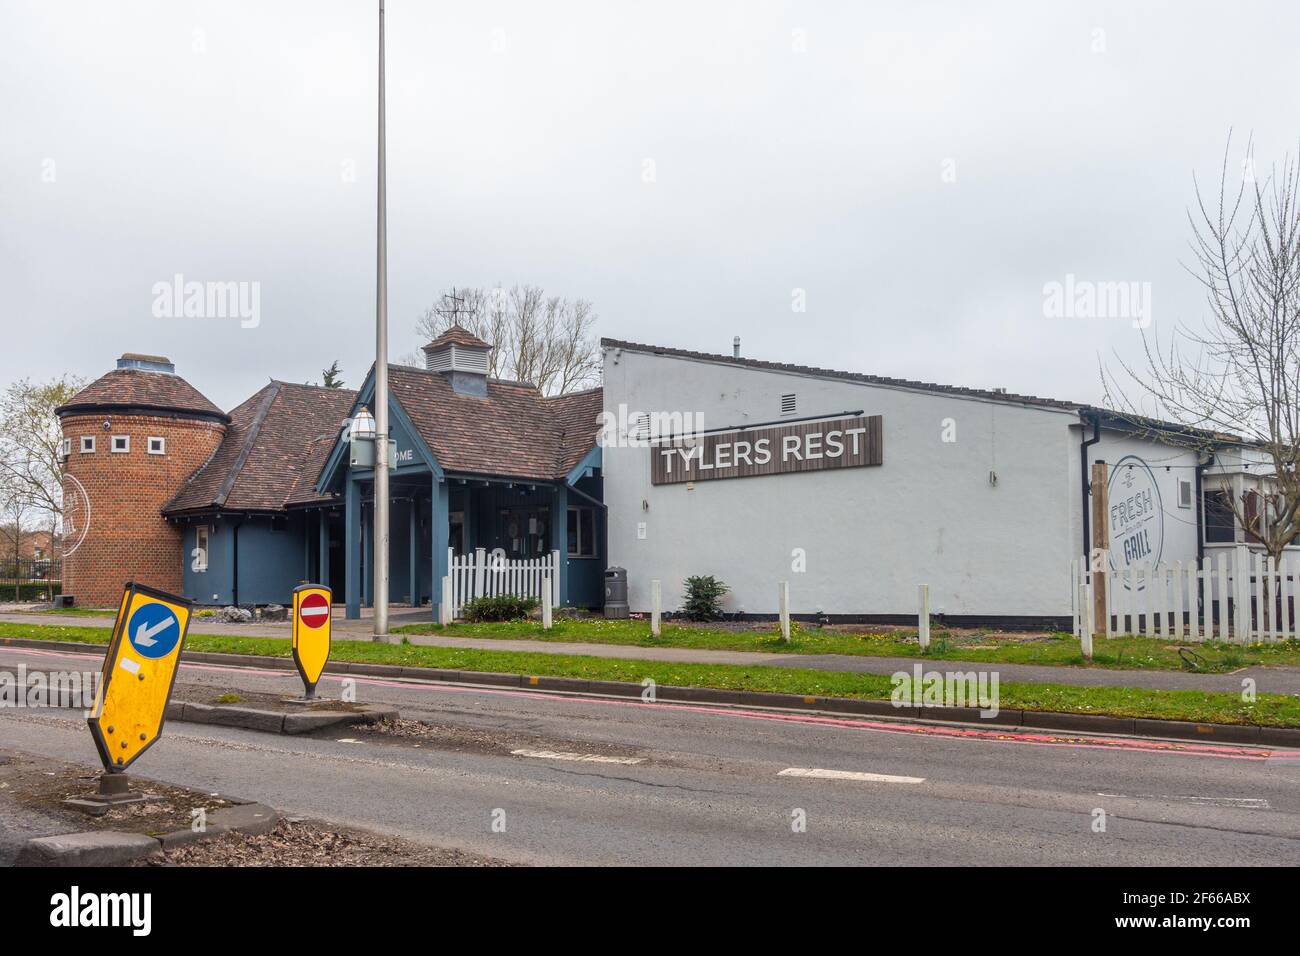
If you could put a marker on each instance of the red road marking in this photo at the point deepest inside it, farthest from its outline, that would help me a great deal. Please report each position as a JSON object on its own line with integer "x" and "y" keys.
{"x": 1040, "y": 739}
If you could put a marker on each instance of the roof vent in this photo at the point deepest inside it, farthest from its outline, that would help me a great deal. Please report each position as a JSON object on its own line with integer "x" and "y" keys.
{"x": 463, "y": 357}
{"x": 146, "y": 363}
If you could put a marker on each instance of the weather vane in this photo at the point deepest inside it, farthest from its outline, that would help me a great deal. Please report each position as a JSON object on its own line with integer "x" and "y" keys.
{"x": 455, "y": 311}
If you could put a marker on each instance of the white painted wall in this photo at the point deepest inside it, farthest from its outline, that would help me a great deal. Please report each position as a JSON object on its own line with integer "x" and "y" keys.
{"x": 1166, "y": 464}
{"x": 927, "y": 515}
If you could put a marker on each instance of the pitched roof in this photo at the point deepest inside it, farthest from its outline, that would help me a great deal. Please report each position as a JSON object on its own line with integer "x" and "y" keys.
{"x": 269, "y": 451}
{"x": 514, "y": 431}
{"x": 456, "y": 335}
{"x": 150, "y": 391}
{"x": 990, "y": 394}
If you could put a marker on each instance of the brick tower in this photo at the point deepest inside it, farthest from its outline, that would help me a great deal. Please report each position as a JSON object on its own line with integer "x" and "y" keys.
{"x": 130, "y": 440}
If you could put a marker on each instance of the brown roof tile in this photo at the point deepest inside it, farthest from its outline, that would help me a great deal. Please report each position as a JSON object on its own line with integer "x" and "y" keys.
{"x": 456, "y": 335}
{"x": 134, "y": 388}
{"x": 513, "y": 431}
{"x": 268, "y": 453}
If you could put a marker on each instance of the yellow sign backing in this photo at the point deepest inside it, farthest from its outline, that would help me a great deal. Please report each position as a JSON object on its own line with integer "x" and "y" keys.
{"x": 311, "y": 633}
{"x": 139, "y": 673}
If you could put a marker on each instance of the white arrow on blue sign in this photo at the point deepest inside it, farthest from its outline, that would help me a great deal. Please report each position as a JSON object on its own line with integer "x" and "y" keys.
{"x": 153, "y": 630}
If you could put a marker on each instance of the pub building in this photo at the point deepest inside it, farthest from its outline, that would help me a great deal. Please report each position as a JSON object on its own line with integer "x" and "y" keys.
{"x": 853, "y": 488}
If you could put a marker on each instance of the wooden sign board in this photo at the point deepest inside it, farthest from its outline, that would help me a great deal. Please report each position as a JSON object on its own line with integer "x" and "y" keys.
{"x": 778, "y": 450}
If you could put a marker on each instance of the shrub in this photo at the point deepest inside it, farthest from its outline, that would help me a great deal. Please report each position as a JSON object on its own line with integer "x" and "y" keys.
{"x": 703, "y": 598}
{"x": 503, "y": 607}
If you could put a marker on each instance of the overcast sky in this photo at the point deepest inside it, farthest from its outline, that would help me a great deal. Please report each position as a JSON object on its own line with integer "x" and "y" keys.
{"x": 919, "y": 170}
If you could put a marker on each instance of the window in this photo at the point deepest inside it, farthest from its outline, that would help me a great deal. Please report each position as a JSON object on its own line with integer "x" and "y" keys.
{"x": 87, "y": 444}
{"x": 1254, "y": 517}
{"x": 121, "y": 443}
{"x": 581, "y": 533}
{"x": 788, "y": 404}
{"x": 200, "y": 552}
{"x": 157, "y": 446}
{"x": 67, "y": 447}
{"x": 1219, "y": 526}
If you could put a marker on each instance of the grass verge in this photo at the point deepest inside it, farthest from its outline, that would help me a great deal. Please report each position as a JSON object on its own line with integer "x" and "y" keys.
{"x": 1272, "y": 710}
{"x": 1120, "y": 653}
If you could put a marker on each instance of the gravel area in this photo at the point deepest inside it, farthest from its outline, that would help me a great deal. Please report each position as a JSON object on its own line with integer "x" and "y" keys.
{"x": 311, "y": 843}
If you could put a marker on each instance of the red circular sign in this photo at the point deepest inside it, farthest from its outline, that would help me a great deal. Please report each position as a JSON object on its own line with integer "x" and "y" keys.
{"x": 314, "y": 610}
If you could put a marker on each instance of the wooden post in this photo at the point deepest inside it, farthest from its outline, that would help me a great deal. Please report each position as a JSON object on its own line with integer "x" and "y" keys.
{"x": 656, "y": 605}
{"x": 1085, "y": 637}
{"x": 923, "y": 615}
{"x": 1100, "y": 557}
{"x": 546, "y": 600}
{"x": 783, "y": 604}
{"x": 444, "y": 606}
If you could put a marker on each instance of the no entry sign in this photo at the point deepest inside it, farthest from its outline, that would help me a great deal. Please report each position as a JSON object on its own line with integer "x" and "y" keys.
{"x": 311, "y": 633}
{"x": 314, "y": 609}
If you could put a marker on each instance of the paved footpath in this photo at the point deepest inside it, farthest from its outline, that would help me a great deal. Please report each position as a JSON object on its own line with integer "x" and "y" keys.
{"x": 1268, "y": 680}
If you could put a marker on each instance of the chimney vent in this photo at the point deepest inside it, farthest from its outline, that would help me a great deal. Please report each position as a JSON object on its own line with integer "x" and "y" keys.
{"x": 735, "y": 347}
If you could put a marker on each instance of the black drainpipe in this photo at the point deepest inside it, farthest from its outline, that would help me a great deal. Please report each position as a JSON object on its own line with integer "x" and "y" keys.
{"x": 1083, "y": 474}
{"x": 1197, "y": 504}
{"x": 234, "y": 569}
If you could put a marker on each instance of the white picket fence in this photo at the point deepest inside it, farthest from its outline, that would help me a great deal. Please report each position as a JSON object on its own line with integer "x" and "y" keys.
{"x": 484, "y": 575}
{"x": 1235, "y": 595}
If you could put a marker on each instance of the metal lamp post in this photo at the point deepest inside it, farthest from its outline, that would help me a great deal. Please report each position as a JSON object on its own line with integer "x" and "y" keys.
{"x": 381, "y": 374}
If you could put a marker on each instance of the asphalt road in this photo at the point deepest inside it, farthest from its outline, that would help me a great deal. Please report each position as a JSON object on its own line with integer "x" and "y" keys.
{"x": 707, "y": 785}
{"x": 1268, "y": 680}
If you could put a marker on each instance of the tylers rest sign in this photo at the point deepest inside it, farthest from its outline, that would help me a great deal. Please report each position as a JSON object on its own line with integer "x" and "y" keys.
{"x": 806, "y": 446}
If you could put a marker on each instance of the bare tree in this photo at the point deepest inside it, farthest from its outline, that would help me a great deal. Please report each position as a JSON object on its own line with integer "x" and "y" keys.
{"x": 1238, "y": 372}
{"x": 31, "y": 442}
{"x": 545, "y": 341}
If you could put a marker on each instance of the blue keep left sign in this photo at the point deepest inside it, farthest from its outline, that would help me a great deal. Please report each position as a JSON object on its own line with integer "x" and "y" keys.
{"x": 153, "y": 630}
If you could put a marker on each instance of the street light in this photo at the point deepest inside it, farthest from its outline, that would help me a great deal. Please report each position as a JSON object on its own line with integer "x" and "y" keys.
{"x": 381, "y": 367}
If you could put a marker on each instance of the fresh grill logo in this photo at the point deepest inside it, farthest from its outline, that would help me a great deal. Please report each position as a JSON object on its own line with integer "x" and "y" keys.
{"x": 76, "y": 909}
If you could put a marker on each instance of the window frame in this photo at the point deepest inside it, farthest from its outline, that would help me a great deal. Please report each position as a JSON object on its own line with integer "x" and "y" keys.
{"x": 1220, "y": 511}
{"x": 202, "y": 537}
{"x": 126, "y": 445}
{"x": 162, "y": 445}
{"x": 580, "y": 539}
{"x": 87, "y": 444}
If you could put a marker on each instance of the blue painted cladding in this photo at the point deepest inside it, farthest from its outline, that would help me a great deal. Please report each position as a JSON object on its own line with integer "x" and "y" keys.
{"x": 271, "y": 562}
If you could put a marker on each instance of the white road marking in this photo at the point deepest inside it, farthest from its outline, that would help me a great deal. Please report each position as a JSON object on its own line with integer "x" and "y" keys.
{"x": 847, "y": 775}
{"x": 1245, "y": 803}
{"x": 588, "y": 758}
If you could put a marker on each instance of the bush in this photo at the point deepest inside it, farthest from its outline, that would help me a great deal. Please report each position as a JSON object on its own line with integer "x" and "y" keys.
{"x": 38, "y": 591}
{"x": 703, "y": 598}
{"x": 503, "y": 607}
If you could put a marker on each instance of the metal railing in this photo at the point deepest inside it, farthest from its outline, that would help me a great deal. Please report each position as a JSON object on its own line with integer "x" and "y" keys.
{"x": 30, "y": 579}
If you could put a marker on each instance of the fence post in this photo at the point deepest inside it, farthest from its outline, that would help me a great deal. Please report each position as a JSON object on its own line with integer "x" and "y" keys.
{"x": 444, "y": 606}
{"x": 783, "y": 608}
{"x": 656, "y": 605}
{"x": 555, "y": 577}
{"x": 480, "y": 572}
{"x": 1242, "y": 588}
{"x": 923, "y": 615}
{"x": 1086, "y": 631}
{"x": 546, "y": 600}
